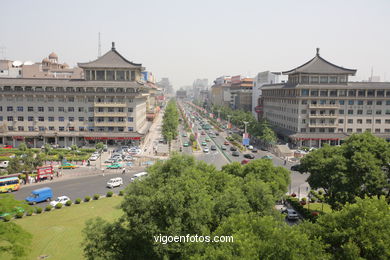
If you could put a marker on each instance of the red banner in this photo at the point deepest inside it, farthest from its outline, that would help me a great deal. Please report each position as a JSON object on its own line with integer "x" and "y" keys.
{"x": 113, "y": 138}
{"x": 45, "y": 172}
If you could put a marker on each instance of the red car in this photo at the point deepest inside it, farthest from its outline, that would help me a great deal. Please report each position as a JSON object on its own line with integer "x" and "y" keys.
{"x": 245, "y": 161}
{"x": 8, "y": 147}
{"x": 203, "y": 133}
{"x": 226, "y": 143}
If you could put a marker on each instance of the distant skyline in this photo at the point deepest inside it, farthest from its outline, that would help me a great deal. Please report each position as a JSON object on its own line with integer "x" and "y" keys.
{"x": 186, "y": 40}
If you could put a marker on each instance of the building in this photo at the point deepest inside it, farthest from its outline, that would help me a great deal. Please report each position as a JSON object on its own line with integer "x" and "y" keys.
{"x": 198, "y": 86}
{"x": 241, "y": 93}
{"x": 261, "y": 79}
{"x": 109, "y": 105}
{"x": 220, "y": 91}
{"x": 165, "y": 84}
{"x": 181, "y": 94}
{"x": 319, "y": 105}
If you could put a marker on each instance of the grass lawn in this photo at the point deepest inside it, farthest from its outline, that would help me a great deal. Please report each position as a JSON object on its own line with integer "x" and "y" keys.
{"x": 57, "y": 234}
{"x": 318, "y": 207}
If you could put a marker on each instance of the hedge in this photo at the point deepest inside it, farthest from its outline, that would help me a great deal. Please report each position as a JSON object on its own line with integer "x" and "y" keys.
{"x": 109, "y": 194}
{"x": 7, "y": 218}
{"x": 87, "y": 198}
{"x": 58, "y": 205}
{"x": 38, "y": 210}
{"x": 49, "y": 208}
{"x": 305, "y": 213}
{"x": 77, "y": 201}
{"x": 68, "y": 203}
{"x": 96, "y": 196}
{"x": 19, "y": 214}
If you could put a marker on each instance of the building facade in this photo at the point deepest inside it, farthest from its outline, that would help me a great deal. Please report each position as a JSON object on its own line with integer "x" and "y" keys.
{"x": 319, "y": 105}
{"x": 109, "y": 105}
{"x": 241, "y": 93}
{"x": 220, "y": 91}
{"x": 262, "y": 78}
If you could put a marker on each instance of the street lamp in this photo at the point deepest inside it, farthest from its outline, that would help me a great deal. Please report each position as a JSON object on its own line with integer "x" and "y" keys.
{"x": 245, "y": 123}
{"x": 228, "y": 116}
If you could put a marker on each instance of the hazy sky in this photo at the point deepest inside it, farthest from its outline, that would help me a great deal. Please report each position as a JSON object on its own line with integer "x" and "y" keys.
{"x": 185, "y": 40}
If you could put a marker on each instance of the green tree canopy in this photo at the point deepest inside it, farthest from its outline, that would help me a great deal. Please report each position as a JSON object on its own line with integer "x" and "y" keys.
{"x": 14, "y": 241}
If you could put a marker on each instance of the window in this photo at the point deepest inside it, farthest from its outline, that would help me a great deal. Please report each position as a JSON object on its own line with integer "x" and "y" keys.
{"x": 377, "y": 121}
{"x": 340, "y": 130}
{"x": 332, "y": 79}
{"x": 324, "y": 79}
{"x": 71, "y": 128}
{"x": 359, "y": 121}
{"x": 303, "y": 130}
{"x": 323, "y": 93}
{"x": 369, "y": 102}
{"x": 61, "y": 109}
{"x": 110, "y": 119}
{"x": 31, "y": 128}
{"x": 70, "y": 99}
{"x": 314, "y": 79}
{"x": 358, "y": 130}
{"x": 129, "y": 119}
{"x": 10, "y": 118}
{"x": 70, "y": 109}
{"x": 20, "y": 118}
{"x": 341, "y": 102}
{"x": 81, "y": 119}
{"x": 350, "y": 121}
{"x": 10, "y": 109}
{"x": 331, "y": 130}
{"x": 51, "y": 128}
{"x": 341, "y": 112}
{"x": 360, "y": 102}
{"x": 387, "y": 130}
{"x": 351, "y": 93}
{"x": 121, "y": 129}
{"x": 368, "y": 121}
{"x": 50, "y": 109}
{"x": 71, "y": 119}
{"x": 41, "y": 109}
{"x": 10, "y": 128}
{"x": 349, "y": 130}
{"x": 369, "y": 112}
{"x": 110, "y": 109}
{"x": 61, "y": 128}
{"x": 377, "y": 130}
{"x": 130, "y": 109}
{"x": 132, "y": 75}
{"x": 20, "y": 109}
{"x": 350, "y": 112}
{"x": 378, "y": 112}
{"x": 90, "y": 109}
{"x": 130, "y": 129}
{"x": 342, "y": 93}
{"x": 304, "y": 92}
{"x": 61, "y": 119}
{"x": 30, "y": 118}
{"x": 388, "y": 102}
{"x": 314, "y": 93}
{"x": 111, "y": 129}
{"x": 350, "y": 102}
{"x": 303, "y": 111}
{"x": 41, "y": 128}
{"x": 341, "y": 121}
{"x": 304, "y": 102}
{"x": 81, "y": 109}
{"x": 90, "y": 119}
{"x": 41, "y": 119}
{"x": 121, "y": 119}
{"x": 30, "y": 109}
{"x": 387, "y": 121}
{"x": 360, "y": 112}
{"x": 387, "y": 112}
{"x": 120, "y": 109}
{"x": 20, "y": 128}
{"x": 51, "y": 119}
{"x": 1, "y": 118}
{"x": 368, "y": 130}
{"x": 361, "y": 93}
{"x": 312, "y": 130}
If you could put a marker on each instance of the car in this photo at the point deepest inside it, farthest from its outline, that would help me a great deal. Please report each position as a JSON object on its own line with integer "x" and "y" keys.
{"x": 199, "y": 128}
{"x": 292, "y": 215}
{"x": 186, "y": 144}
{"x": 184, "y": 135}
{"x": 138, "y": 176}
{"x": 233, "y": 149}
{"x": 208, "y": 139}
{"x": 67, "y": 165}
{"x": 202, "y": 133}
{"x": 245, "y": 161}
{"x": 128, "y": 158}
{"x": 254, "y": 150}
{"x": 39, "y": 195}
{"x": 226, "y": 143}
{"x": 249, "y": 156}
{"x": 93, "y": 158}
{"x": 61, "y": 199}
{"x": 8, "y": 147}
{"x": 296, "y": 167}
{"x": 109, "y": 160}
{"x": 250, "y": 147}
{"x": 235, "y": 153}
{"x": 263, "y": 148}
{"x": 204, "y": 143}
{"x": 114, "y": 182}
{"x": 114, "y": 166}
{"x": 213, "y": 148}
{"x": 118, "y": 160}
{"x": 268, "y": 157}
{"x": 223, "y": 147}
{"x": 206, "y": 149}
{"x": 13, "y": 212}
{"x": 216, "y": 133}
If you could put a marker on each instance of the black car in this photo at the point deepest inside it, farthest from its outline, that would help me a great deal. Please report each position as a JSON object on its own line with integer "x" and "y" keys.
{"x": 249, "y": 156}
{"x": 263, "y": 148}
{"x": 216, "y": 133}
{"x": 213, "y": 148}
{"x": 233, "y": 149}
{"x": 296, "y": 167}
{"x": 235, "y": 153}
{"x": 254, "y": 150}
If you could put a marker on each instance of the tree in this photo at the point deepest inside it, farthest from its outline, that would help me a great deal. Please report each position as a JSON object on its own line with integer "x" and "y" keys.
{"x": 8, "y": 203}
{"x": 47, "y": 148}
{"x": 358, "y": 231}
{"x": 22, "y": 147}
{"x": 357, "y": 168}
{"x": 99, "y": 146}
{"x": 14, "y": 241}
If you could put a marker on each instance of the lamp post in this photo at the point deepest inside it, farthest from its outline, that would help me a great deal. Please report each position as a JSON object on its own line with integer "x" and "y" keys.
{"x": 245, "y": 123}
{"x": 228, "y": 116}
{"x": 219, "y": 114}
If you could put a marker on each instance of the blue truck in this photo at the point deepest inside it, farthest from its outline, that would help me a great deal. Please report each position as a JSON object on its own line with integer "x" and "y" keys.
{"x": 39, "y": 195}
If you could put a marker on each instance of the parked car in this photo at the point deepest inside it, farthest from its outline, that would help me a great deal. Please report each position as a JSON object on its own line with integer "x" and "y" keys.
{"x": 186, "y": 144}
{"x": 61, "y": 199}
{"x": 202, "y": 133}
{"x": 8, "y": 147}
{"x": 39, "y": 195}
{"x": 114, "y": 166}
{"x": 208, "y": 139}
{"x": 128, "y": 158}
{"x": 216, "y": 133}
{"x": 138, "y": 176}
{"x": 226, "y": 143}
{"x": 249, "y": 156}
{"x": 67, "y": 165}
{"x": 292, "y": 215}
{"x": 254, "y": 150}
{"x": 114, "y": 182}
{"x": 184, "y": 135}
{"x": 223, "y": 147}
{"x": 235, "y": 153}
{"x": 268, "y": 157}
{"x": 213, "y": 148}
{"x": 206, "y": 149}
{"x": 245, "y": 161}
{"x": 250, "y": 147}
{"x": 93, "y": 158}
{"x": 204, "y": 143}
{"x": 296, "y": 167}
{"x": 4, "y": 164}
{"x": 109, "y": 160}
{"x": 232, "y": 148}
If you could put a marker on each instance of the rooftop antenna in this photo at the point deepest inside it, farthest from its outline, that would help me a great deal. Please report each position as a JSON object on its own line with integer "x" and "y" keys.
{"x": 3, "y": 50}
{"x": 99, "y": 47}
{"x": 372, "y": 73}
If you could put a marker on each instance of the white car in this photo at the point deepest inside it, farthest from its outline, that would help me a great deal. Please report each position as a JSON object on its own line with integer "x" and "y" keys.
{"x": 62, "y": 200}
{"x": 114, "y": 182}
{"x": 206, "y": 150}
{"x": 291, "y": 214}
{"x": 93, "y": 158}
{"x": 128, "y": 158}
{"x": 250, "y": 147}
{"x": 110, "y": 160}
{"x": 138, "y": 176}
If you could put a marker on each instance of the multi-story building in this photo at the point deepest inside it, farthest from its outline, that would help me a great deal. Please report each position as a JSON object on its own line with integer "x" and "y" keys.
{"x": 261, "y": 79}
{"x": 220, "y": 91}
{"x": 319, "y": 105}
{"x": 241, "y": 93}
{"x": 108, "y": 105}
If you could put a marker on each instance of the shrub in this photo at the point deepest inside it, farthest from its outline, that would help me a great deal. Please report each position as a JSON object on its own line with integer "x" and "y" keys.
{"x": 7, "y": 218}
{"x": 77, "y": 201}
{"x": 96, "y": 196}
{"x": 48, "y": 207}
{"x": 29, "y": 212}
{"x": 68, "y": 203}
{"x": 293, "y": 195}
{"x": 87, "y": 198}
{"x": 58, "y": 205}
{"x": 121, "y": 193}
{"x": 109, "y": 194}
{"x": 19, "y": 215}
{"x": 38, "y": 210}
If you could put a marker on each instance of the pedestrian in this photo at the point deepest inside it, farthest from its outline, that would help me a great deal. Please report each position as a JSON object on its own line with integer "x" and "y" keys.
{"x": 285, "y": 161}
{"x": 123, "y": 170}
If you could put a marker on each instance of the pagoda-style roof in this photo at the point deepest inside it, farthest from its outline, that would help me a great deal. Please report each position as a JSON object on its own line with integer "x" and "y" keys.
{"x": 319, "y": 65}
{"x": 111, "y": 59}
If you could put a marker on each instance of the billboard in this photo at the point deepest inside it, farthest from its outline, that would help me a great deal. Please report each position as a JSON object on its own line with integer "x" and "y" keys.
{"x": 45, "y": 172}
{"x": 236, "y": 79}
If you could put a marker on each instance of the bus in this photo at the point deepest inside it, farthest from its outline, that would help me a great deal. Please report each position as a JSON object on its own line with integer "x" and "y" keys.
{"x": 9, "y": 184}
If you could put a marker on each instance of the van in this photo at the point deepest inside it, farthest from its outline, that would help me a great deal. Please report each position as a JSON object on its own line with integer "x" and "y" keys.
{"x": 39, "y": 195}
{"x": 138, "y": 175}
{"x": 114, "y": 182}
{"x": 4, "y": 164}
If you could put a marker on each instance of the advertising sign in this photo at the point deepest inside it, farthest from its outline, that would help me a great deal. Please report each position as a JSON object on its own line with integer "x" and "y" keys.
{"x": 45, "y": 172}
{"x": 245, "y": 141}
{"x": 236, "y": 79}
{"x": 258, "y": 109}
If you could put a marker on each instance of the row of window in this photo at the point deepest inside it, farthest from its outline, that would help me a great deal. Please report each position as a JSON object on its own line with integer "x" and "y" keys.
{"x": 68, "y": 99}
{"x": 69, "y": 89}
{"x": 349, "y": 112}
{"x": 341, "y": 130}
{"x": 62, "y": 109}
{"x": 368, "y": 121}
{"x": 70, "y": 119}
{"x": 318, "y": 79}
{"x": 344, "y": 93}
{"x": 63, "y": 128}
{"x": 349, "y": 102}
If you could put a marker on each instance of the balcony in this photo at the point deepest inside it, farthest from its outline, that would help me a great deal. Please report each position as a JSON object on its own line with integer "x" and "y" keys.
{"x": 326, "y": 125}
{"x": 324, "y": 106}
{"x": 110, "y": 114}
{"x": 109, "y": 104}
{"x": 323, "y": 116}
{"x": 105, "y": 123}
